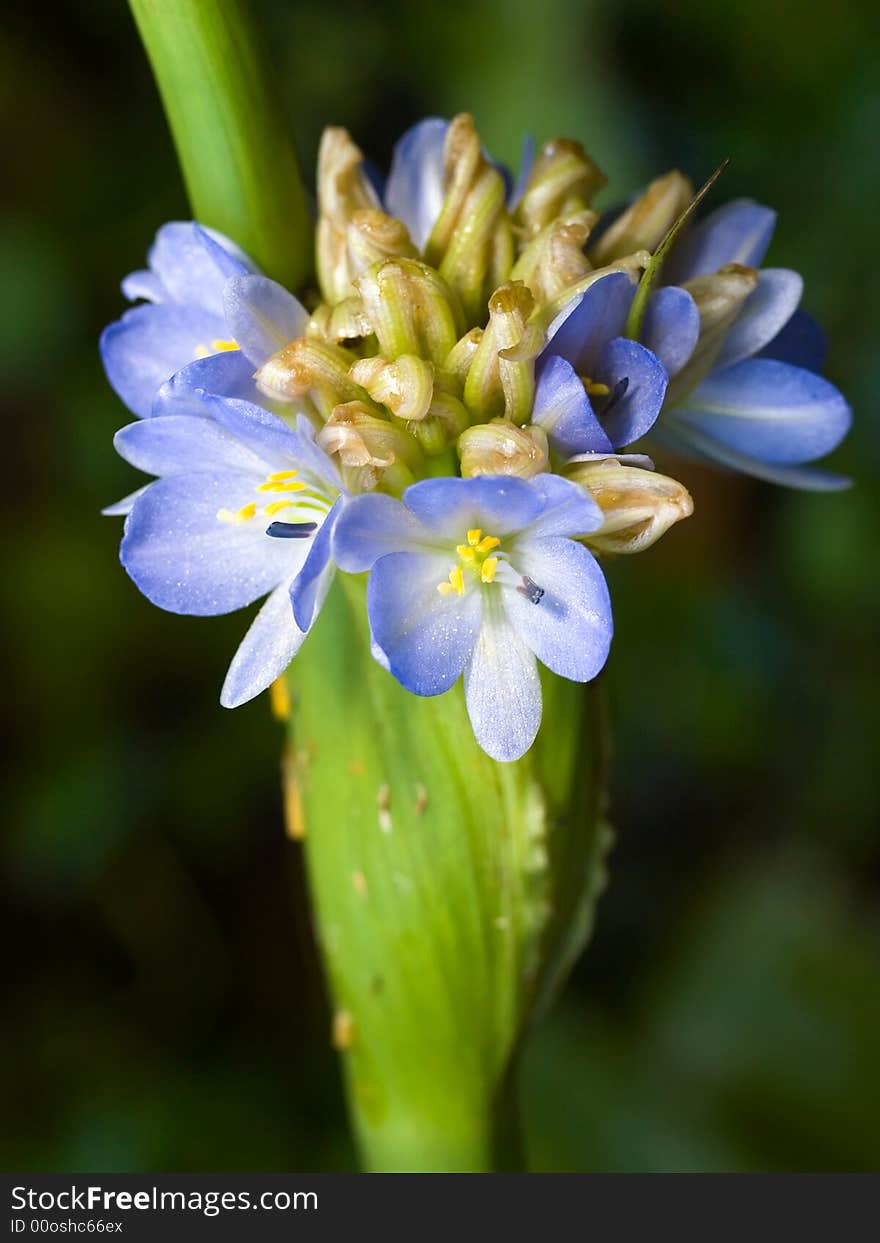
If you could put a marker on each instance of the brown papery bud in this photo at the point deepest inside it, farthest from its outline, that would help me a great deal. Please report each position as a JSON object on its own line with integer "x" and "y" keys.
{"x": 639, "y": 505}
{"x": 501, "y": 378}
{"x": 563, "y": 180}
{"x": 372, "y": 451}
{"x": 646, "y": 221}
{"x": 502, "y": 448}
{"x": 372, "y": 236}
{"x": 343, "y": 190}
{"x": 309, "y": 367}
{"x": 719, "y": 297}
{"x": 555, "y": 260}
{"x": 405, "y": 386}
{"x": 410, "y": 308}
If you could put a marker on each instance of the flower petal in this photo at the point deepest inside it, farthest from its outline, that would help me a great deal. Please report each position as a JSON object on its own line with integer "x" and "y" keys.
{"x": 568, "y": 510}
{"x": 498, "y": 504}
{"x": 691, "y": 443}
{"x": 426, "y": 637}
{"x": 767, "y": 410}
{"x": 502, "y": 688}
{"x": 671, "y": 327}
{"x": 584, "y": 327}
{"x": 635, "y": 410}
{"x": 175, "y": 444}
{"x": 563, "y": 409}
{"x": 526, "y": 163}
{"x": 308, "y": 590}
{"x": 194, "y": 263}
{"x": 800, "y": 342}
{"x": 570, "y": 627}
{"x": 119, "y": 509}
{"x": 738, "y": 232}
{"x": 274, "y": 441}
{"x": 185, "y": 559}
{"x": 269, "y": 646}
{"x": 149, "y": 343}
{"x": 144, "y": 284}
{"x": 227, "y": 374}
{"x": 765, "y": 312}
{"x": 372, "y": 526}
{"x": 262, "y": 316}
{"x": 414, "y": 192}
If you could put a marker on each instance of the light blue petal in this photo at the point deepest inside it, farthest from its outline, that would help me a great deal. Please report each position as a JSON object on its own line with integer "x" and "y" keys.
{"x": 176, "y": 444}
{"x": 449, "y": 508}
{"x": 193, "y": 264}
{"x": 502, "y": 688}
{"x": 262, "y": 316}
{"x": 765, "y": 312}
{"x": 186, "y": 560}
{"x": 372, "y": 526}
{"x": 738, "y": 232}
{"x": 309, "y": 589}
{"x": 671, "y": 327}
{"x": 631, "y": 414}
{"x": 801, "y": 342}
{"x": 570, "y": 627}
{"x": 274, "y": 441}
{"x": 690, "y": 443}
{"x": 563, "y": 409}
{"x": 414, "y": 192}
{"x": 119, "y": 509}
{"x": 145, "y": 348}
{"x": 767, "y": 410}
{"x": 584, "y": 327}
{"x": 265, "y": 652}
{"x": 426, "y": 637}
{"x": 526, "y": 163}
{"x": 227, "y": 374}
{"x": 567, "y": 509}
{"x": 144, "y": 284}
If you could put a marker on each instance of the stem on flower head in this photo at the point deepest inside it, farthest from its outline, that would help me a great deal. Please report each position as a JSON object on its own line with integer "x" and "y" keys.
{"x": 232, "y": 140}
{"x": 652, "y": 271}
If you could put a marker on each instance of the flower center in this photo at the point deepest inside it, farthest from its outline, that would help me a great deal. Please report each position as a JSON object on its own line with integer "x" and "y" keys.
{"x": 472, "y": 557}
{"x": 292, "y": 495}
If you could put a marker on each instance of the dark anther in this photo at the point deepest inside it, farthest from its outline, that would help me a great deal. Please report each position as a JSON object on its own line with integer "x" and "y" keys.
{"x": 292, "y": 530}
{"x": 530, "y": 590}
{"x": 614, "y": 396}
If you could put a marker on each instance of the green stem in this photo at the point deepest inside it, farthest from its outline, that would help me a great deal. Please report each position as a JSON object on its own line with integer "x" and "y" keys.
{"x": 234, "y": 146}
{"x": 447, "y": 889}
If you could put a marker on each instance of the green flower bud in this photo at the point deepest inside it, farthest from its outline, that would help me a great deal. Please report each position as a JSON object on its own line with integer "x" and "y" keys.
{"x": 563, "y": 180}
{"x": 502, "y": 448}
{"x": 501, "y": 378}
{"x": 405, "y": 386}
{"x": 343, "y": 189}
{"x": 446, "y": 419}
{"x": 410, "y": 308}
{"x": 646, "y": 221}
{"x": 554, "y": 260}
{"x": 311, "y": 368}
{"x": 719, "y": 297}
{"x": 372, "y": 451}
{"x": 639, "y": 505}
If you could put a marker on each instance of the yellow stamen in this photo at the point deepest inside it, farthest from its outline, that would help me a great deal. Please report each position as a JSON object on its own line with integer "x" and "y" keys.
{"x": 457, "y": 579}
{"x": 281, "y": 475}
{"x": 488, "y": 543}
{"x": 279, "y": 699}
{"x": 281, "y": 487}
{"x": 445, "y": 589}
{"x": 246, "y": 512}
{"x": 220, "y": 346}
{"x": 202, "y": 351}
{"x": 487, "y": 571}
{"x": 467, "y": 554}
{"x": 473, "y": 536}
{"x": 275, "y": 507}
{"x": 594, "y": 388}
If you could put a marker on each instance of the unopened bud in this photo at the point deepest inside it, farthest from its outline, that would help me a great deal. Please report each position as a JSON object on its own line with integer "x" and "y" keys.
{"x": 639, "y": 505}
{"x": 458, "y": 361}
{"x": 410, "y": 308}
{"x": 343, "y": 189}
{"x": 501, "y": 378}
{"x": 646, "y": 221}
{"x": 563, "y": 180}
{"x": 446, "y": 419}
{"x": 502, "y": 448}
{"x": 309, "y": 367}
{"x": 405, "y": 386}
{"x": 554, "y": 260}
{"x": 372, "y": 236}
{"x": 719, "y": 297}
{"x": 372, "y": 451}
{"x": 631, "y": 265}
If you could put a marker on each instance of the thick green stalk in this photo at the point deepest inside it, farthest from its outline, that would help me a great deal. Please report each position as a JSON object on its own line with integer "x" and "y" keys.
{"x": 234, "y": 146}
{"x": 448, "y": 890}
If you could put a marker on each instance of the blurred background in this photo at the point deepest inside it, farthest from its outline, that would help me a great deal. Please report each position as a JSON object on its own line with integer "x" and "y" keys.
{"x": 164, "y": 1003}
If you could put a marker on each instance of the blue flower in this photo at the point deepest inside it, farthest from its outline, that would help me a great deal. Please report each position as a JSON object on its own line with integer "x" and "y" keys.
{"x": 481, "y": 577}
{"x": 243, "y": 505}
{"x": 596, "y": 390}
{"x": 762, "y": 408}
{"x": 181, "y": 317}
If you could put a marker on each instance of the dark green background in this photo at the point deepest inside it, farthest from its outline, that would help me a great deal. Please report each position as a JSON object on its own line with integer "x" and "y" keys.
{"x": 164, "y": 1007}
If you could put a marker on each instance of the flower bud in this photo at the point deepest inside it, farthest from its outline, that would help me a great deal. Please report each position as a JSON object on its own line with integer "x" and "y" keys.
{"x": 405, "y": 386}
{"x": 644, "y": 224}
{"x": 343, "y": 189}
{"x": 372, "y": 451}
{"x": 554, "y": 260}
{"x": 639, "y": 505}
{"x": 632, "y": 265}
{"x": 501, "y": 378}
{"x": 719, "y": 297}
{"x": 309, "y": 367}
{"x": 502, "y": 448}
{"x": 471, "y": 243}
{"x": 458, "y": 361}
{"x": 372, "y": 236}
{"x": 410, "y": 308}
{"x": 563, "y": 180}
{"x": 446, "y": 419}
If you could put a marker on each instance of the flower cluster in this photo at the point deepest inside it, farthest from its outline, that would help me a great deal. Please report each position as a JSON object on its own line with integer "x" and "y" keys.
{"x": 449, "y": 413}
